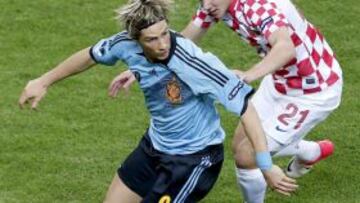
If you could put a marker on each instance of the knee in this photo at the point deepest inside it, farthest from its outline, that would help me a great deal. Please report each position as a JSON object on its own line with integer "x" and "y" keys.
{"x": 244, "y": 161}
{"x": 244, "y": 156}
{"x": 242, "y": 149}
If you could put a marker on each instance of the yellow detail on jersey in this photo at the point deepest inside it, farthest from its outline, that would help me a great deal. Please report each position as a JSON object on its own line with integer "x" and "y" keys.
{"x": 165, "y": 199}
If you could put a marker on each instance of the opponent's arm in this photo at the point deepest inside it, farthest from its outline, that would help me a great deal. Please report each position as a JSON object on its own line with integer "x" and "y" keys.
{"x": 36, "y": 89}
{"x": 123, "y": 81}
{"x": 280, "y": 54}
{"x": 193, "y": 32}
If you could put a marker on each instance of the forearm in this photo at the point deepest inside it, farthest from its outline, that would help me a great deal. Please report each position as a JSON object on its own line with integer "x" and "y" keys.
{"x": 278, "y": 57}
{"x": 193, "y": 32}
{"x": 76, "y": 63}
{"x": 253, "y": 129}
{"x": 256, "y": 136}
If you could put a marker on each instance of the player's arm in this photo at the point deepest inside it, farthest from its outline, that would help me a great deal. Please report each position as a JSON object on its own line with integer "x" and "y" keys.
{"x": 76, "y": 63}
{"x": 193, "y": 32}
{"x": 281, "y": 53}
{"x": 36, "y": 89}
{"x": 274, "y": 176}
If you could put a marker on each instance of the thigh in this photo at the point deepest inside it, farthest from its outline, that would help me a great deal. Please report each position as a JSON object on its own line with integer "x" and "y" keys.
{"x": 292, "y": 119}
{"x": 288, "y": 119}
{"x": 138, "y": 171}
{"x": 118, "y": 192}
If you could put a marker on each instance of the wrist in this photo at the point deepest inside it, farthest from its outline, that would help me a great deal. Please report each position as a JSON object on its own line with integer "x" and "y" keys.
{"x": 263, "y": 161}
{"x": 251, "y": 76}
{"x": 44, "y": 81}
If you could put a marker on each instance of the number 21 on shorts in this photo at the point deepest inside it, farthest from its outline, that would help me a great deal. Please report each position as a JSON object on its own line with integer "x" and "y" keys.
{"x": 292, "y": 112}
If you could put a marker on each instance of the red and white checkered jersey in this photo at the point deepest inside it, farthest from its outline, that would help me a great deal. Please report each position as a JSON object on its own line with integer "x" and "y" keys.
{"x": 313, "y": 69}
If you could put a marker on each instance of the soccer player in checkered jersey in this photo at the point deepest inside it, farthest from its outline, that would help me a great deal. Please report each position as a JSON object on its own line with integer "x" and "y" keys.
{"x": 301, "y": 86}
{"x": 301, "y": 82}
{"x": 176, "y": 161}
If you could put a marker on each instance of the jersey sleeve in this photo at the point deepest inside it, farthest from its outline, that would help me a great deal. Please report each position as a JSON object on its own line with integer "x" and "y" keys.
{"x": 206, "y": 75}
{"x": 202, "y": 19}
{"x": 265, "y": 16}
{"x": 109, "y": 50}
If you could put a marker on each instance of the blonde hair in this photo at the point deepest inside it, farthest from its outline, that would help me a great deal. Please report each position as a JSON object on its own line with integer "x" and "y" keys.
{"x": 140, "y": 14}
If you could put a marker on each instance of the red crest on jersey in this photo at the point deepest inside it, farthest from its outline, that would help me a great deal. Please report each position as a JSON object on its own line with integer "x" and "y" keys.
{"x": 173, "y": 91}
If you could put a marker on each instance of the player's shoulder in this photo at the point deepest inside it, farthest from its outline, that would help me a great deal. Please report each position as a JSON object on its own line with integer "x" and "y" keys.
{"x": 183, "y": 43}
{"x": 122, "y": 44}
{"x": 121, "y": 38}
{"x": 121, "y": 35}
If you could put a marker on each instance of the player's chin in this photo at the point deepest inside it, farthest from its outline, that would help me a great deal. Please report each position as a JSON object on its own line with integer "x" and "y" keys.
{"x": 163, "y": 56}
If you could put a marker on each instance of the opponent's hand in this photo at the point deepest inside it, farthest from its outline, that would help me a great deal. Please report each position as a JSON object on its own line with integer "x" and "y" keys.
{"x": 240, "y": 74}
{"x": 122, "y": 81}
{"x": 278, "y": 181}
{"x": 33, "y": 92}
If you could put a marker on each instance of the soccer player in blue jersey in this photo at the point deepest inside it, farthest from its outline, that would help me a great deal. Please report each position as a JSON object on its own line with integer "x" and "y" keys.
{"x": 180, "y": 156}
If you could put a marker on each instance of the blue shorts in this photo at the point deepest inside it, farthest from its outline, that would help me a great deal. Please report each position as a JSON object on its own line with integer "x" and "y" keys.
{"x": 159, "y": 177}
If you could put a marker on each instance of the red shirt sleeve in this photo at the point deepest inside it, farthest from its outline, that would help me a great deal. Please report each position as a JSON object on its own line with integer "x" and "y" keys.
{"x": 202, "y": 19}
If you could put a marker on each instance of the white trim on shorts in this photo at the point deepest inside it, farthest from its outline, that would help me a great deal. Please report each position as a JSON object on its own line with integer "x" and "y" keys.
{"x": 193, "y": 180}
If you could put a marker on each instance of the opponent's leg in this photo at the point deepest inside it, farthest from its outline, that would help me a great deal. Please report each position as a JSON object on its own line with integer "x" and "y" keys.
{"x": 249, "y": 178}
{"x": 307, "y": 153}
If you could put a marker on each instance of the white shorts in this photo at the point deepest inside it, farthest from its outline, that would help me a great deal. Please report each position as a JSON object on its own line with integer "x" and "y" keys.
{"x": 287, "y": 119}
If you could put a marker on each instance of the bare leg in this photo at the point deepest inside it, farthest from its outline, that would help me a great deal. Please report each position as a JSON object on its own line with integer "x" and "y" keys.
{"x": 249, "y": 177}
{"x": 118, "y": 192}
{"x": 242, "y": 149}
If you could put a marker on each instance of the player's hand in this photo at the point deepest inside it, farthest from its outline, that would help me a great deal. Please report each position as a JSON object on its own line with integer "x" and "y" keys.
{"x": 279, "y": 182}
{"x": 33, "y": 92}
{"x": 122, "y": 81}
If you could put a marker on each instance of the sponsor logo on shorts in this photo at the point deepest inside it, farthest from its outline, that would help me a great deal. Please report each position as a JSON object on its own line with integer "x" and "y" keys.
{"x": 235, "y": 90}
{"x": 279, "y": 129}
{"x": 165, "y": 199}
